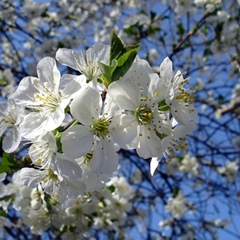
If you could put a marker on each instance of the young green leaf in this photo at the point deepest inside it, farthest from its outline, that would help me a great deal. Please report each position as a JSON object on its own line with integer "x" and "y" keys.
{"x": 107, "y": 71}
{"x": 8, "y": 163}
{"x": 124, "y": 63}
{"x": 117, "y": 47}
{"x": 121, "y": 59}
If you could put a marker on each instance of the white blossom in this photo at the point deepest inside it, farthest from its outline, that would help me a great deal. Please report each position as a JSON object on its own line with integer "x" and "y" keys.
{"x": 189, "y": 165}
{"x": 135, "y": 127}
{"x": 176, "y": 96}
{"x": 177, "y": 205}
{"x": 175, "y": 141}
{"x": 45, "y": 97}
{"x": 93, "y": 136}
{"x": 7, "y": 81}
{"x": 11, "y": 117}
{"x": 86, "y": 64}
{"x": 230, "y": 171}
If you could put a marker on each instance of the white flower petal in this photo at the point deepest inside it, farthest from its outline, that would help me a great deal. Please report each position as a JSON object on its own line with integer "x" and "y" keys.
{"x": 66, "y": 57}
{"x": 70, "y": 189}
{"x": 3, "y": 127}
{"x": 33, "y": 125}
{"x": 85, "y": 107}
{"x": 99, "y": 52}
{"x": 154, "y": 164}
{"x": 56, "y": 118}
{"x": 148, "y": 143}
{"x": 111, "y": 109}
{"x": 72, "y": 84}
{"x": 184, "y": 115}
{"x": 31, "y": 177}
{"x": 105, "y": 158}
{"x": 162, "y": 122}
{"x": 48, "y": 73}
{"x": 94, "y": 84}
{"x": 43, "y": 149}
{"x": 181, "y": 130}
{"x": 3, "y": 109}
{"x": 25, "y": 91}
{"x": 125, "y": 93}
{"x": 11, "y": 140}
{"x": 3, "y": 176}
{"x": 123, "y": 129}
{"x": 77, "y": 141}
{"x": 87, "y": 63}
{"x": 156, "y": 89}
{"x": 139, "y": 73}
{"x": 67, "y": 168}
{"x": 166, "y": 72}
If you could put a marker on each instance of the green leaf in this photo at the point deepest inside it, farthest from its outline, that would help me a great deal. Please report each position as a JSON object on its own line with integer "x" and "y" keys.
{"x": 3, "y": 81}
{"x": 152, "y": 15}
{"x": 44, "y": 14}
{"x": 3, "y": 168}
{"x": 127, "y": 57}
{"x": 175, "y": 192}
{"x": 180, "y": 158}
{"x": 152, "y": 30}
{"x": 130, "y": 30}
{"x": 181, "y": 29}
{"x": 207, "y": 52}
{"x": 3, "y": 214}
{"x": 143, "y": 12}
{"x": 117, "y": 47}
{"x": 124, "y": 63}
{"x": 133, "y": 47}
{"x": 107, "y": 71}
{"x": 205, "y": 30}
{"x": 8, "y": 159}
{"x": 8, "y": 163}
{"x": 121, "y": 59}
{"x": 111, "y": 188}
{"x": 185, "y": 46}
{"x": 60, "y": 44}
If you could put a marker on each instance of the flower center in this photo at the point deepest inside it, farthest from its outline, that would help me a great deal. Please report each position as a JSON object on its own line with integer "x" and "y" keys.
{"x": 182, "y": 94}
{"x": 51, "y": 176}
{"x": 90, "y": 71}
{"x": 100, "y": 127}
{"x": 41, "y": 153}
{"x": 144, "y": 114}
{"x": 48, "y": 100}
{"x": 185, "y": 96}
{"x": 88, "y": 67}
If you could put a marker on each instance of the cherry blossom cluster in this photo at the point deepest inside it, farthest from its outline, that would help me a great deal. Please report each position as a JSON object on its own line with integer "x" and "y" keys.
{"x": 69, "y": 152}
{"x": 76, "y": 124}
{"x": 72, "y": 219}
